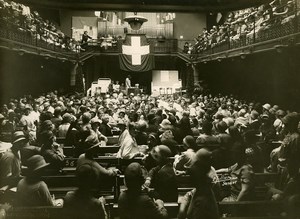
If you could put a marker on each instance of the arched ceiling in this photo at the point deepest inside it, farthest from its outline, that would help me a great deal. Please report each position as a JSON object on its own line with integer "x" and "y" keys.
{"x": 147, "y": 5}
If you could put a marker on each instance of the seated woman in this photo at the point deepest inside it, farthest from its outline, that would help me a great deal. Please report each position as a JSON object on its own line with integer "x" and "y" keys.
{"x": 180, "y": 162}
{"x": 200, "y": 202}
{"x": 81, "y": 203}
{"x": 134, "y": 203}
{"x": 32, "y": 191}
{"x": 51, "y": 151}
{"x": 240, "y": 177}
{"x": 128, "y": 146}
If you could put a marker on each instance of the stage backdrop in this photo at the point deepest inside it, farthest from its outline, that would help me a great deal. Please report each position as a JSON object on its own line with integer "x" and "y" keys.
{"x": 164, "y": 79}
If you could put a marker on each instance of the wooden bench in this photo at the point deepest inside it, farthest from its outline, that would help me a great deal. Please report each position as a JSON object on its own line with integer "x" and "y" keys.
{"x": 113, "y": 211}
{"x": 251, "y": 208}
{"x": 102, "y": 151}
{"x": 112, "y": 140}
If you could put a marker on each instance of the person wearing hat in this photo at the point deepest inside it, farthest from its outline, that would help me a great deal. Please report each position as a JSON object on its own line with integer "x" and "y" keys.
{"x": 31, "y": 190}
{"x": 267, "y": 129}
{"x": 10, "y": 162}
{"x": 205, "y": 139}
{"x": 190, "y": 146}
{"x": 290, "y": 148}
{"x": 200, "y": 202}
{"x": 278, "y": 124}
{"x": 162, "y": 177}
{"x": 81, "y": 203}
{"x": 221, "y": 155}
{"x": 95, "y": 124}
{"x": 167, "y": 138}
{"x": 51, "y": 151}
{"x": 241, "y": 177}
{"x": 134, "y": 202}
{"x": 65, "y": 125}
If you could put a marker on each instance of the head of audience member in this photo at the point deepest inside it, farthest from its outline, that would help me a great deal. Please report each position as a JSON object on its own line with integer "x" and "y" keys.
{"x": 250, "y": 137}
{"x": 235, "y": 133}
{"x": 57, "y": 111}
{"x": 27, "y": 109}
{"x": 46, "y": 116}
{"x": 87, "y": 177}
{"x": 165, "y": 125}
{"x": 291, "y": 121}
{"x": 47, "y": 138}
{"x": 132, "y": 129}
{"x": 166, "y": 135}
{"x": 161, "y": 154}
{"x": 207, "y": 127}
{"x": 199, "y": 166}
{"x": 36, "y": 166}
{"x": 67, "y": 118}
{"x": 134, "y": 177}
{"x": 86, "y": 118}
{"x": 105, "y": 119}
{"x": 152, "y": 140}
{"x": 221, "y": 127}
{"x": 189, "y": 142}
{"x": 95, "y": 123}
{"x": 19, "y": 140}
{"x": 121, "y": 125}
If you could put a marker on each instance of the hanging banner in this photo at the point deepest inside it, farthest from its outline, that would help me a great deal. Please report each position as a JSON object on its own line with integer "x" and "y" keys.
{"x": 136, "y": 55}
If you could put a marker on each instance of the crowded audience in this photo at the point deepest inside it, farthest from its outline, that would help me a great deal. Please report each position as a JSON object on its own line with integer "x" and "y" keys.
{"x": 19, "y": 17}
{"x": 211, "y": 138}
{"x": 243, "y": 24}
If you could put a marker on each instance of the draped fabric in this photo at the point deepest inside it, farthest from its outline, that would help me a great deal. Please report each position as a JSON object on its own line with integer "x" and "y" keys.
{"x": 136, "y": 55}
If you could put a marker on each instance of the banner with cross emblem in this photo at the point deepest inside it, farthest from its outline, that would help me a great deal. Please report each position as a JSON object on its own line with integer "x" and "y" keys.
{"x": 136, "y": 55}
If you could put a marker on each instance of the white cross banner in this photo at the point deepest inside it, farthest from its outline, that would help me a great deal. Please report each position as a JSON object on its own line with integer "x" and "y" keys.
{"x": 136, "y": 54}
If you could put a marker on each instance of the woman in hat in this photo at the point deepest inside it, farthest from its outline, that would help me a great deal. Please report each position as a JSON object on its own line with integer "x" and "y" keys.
{"x": 134, "y": 203}
{"x": 81, "y": 203}
{"x": 51, "y": 151}
{"x": 200, "y": 202}
{"x": 31, "y": 190}
{"x": 162, "y": 177}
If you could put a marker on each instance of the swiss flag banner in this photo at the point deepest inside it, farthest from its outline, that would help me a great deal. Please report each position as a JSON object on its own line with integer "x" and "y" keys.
{"x": 136, "y": 54}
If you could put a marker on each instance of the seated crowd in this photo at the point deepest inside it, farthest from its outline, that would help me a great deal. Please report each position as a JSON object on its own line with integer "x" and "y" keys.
{"x": 244, "y": 23}
{"x": 19, "y": 17}
{"x": 206, "y": 135}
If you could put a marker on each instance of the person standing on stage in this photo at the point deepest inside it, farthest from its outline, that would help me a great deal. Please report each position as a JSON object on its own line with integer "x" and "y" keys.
{"x": 127, "y": 83}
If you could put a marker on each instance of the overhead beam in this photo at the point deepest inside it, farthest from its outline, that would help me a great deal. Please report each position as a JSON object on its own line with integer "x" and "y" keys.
{"x": 146, "y": 6}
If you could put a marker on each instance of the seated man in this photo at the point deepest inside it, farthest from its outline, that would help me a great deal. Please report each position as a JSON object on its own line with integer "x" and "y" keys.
{"x": 134, "y": 203}
{"x": 162, "y": 177}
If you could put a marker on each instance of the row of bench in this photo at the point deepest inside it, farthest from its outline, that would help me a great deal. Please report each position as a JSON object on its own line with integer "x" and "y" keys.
{"x": 229, "y": 210}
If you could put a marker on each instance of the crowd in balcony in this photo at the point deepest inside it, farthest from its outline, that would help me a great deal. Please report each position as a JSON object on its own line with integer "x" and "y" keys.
{"x": 243, "y": 24}
{"x": 17, "y": 16}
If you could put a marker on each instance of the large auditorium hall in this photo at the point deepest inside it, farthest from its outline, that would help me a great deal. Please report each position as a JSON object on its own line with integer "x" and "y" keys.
{"x": 149, "y": 109}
